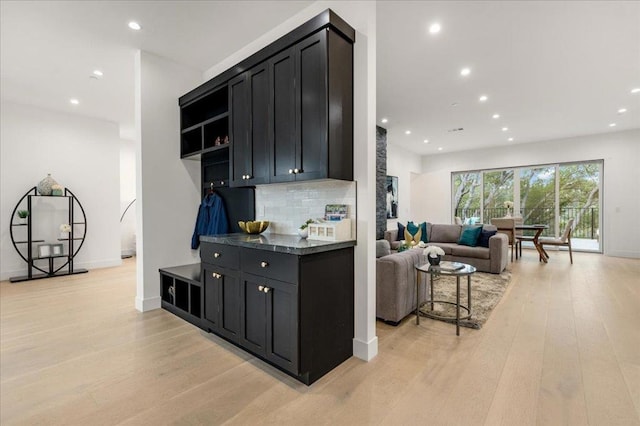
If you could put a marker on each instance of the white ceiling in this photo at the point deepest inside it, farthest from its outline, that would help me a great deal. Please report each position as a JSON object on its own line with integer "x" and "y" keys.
{"x": 551, "y": 69}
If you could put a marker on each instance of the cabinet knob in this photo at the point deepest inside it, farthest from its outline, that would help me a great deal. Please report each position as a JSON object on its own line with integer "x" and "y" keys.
{"x": 221, "y": 182}
{"x": 264, "y": 264}
{"x": 216, "y": 255}
{"x": 290, "y": 171}
{"x": 248, "y": 177}
{"x": 172, "y": 291}
{"x": 296, "y": 171}
{"x": 216, "y": 275}
{"x": 266, "y": 289}
{"x": 260, "y": 288}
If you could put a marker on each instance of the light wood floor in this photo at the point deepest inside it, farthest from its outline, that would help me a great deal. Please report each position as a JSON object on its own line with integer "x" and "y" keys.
{"x": 562, "y": 347}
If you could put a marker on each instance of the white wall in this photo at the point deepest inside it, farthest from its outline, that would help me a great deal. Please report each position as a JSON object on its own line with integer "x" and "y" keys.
{"x": 127, "y": 195}
{"x": 81, "y": 154}
{"x": 404, "y": 164}
{"x": 620, "y": 152}
{"x": 167, "y": 188}
{"x": 361, "y": 15}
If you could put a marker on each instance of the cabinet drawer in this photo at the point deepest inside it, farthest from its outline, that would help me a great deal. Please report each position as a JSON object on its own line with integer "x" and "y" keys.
{"x": 279, "y": 266}
{"x": 220, "y": 255}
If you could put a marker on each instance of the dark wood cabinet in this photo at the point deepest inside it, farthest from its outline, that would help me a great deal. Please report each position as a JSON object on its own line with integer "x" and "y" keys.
{"x": 284, "y": 136}
{"x": 181, "y": 292}
{"x": 312, "y": 99}
{"x": 204, "y": 123}
{"x": 294, "y": 311}
{"x": 289, "y": 113}
{"x": 222, "y": 301}
{"x": 250, "y": 127}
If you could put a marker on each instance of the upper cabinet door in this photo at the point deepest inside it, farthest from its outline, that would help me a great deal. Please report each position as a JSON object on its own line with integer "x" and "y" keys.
{"x": 240, "y": 121}
{"x": 283, "y": 92}
{"x": 311, "y": 96}
{"x": 258, "y": 171}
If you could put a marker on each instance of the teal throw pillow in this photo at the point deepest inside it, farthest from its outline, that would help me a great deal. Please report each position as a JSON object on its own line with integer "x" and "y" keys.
{"x": 413, "y": 229}
{"x": 469, "y": 236}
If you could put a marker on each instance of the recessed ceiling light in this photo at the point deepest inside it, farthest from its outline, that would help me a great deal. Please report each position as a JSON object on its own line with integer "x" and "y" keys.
{"x": 439, "y": 148}
{"x": 635, "y": 90}
{"x": 435, "y": 28}
{"x": 612, "y": 124}
{"x": 74, "y": 101}
{"x": 495, "y": 116}
{"x": 98, "y": 73}
{"x": 483, "y": 98}
{"x": 454, "y": 104}
{"x": 510, "y": 139}
{"x": 407, "y": 132}
{"x": 622, "y": 110}
{"x": 465, "y": 71}
{"x": 426, "y": 141}
{"x": 384, "y": 120}
{"x": 504, "y": 129}
{"x": 134, "y": 26}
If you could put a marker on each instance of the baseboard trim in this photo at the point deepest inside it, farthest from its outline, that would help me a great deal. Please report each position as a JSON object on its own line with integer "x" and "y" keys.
{"x": 145, "y": 305}
{"x": 366, "y": 351}
{"x": 619, "y": 253}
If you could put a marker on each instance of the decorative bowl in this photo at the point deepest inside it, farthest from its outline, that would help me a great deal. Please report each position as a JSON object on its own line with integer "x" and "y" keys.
{"x": 254, "y": 227}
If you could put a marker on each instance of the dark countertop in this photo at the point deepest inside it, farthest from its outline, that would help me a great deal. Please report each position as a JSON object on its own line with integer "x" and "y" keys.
{"x": 291, "y": 244}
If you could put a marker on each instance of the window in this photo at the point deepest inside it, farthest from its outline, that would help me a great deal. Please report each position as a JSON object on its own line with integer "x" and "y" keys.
{"x": 547, "y": 194}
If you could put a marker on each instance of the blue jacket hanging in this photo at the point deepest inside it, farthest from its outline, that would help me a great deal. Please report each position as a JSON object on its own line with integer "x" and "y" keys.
{"x": 211, "y": 220}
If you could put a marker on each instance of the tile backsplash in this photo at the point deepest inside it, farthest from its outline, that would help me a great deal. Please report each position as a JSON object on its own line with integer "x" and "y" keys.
{"x": 289, "y": 205}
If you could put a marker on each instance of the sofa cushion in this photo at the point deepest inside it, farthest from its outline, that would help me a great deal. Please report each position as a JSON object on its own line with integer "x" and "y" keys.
{"x": 408, "y": 236}
{"x": 444, "y": 233}
{"x": 466, "y": 251}
{"x": 469, "y": 236}
{"x": 382, "y": 248}
{"x": 483, "y": 241}
{"x": 447, "y": 247}
{"x": 422, "y": 228}
{"x": 400, "y": 235}
{"x": 395, "y": 245}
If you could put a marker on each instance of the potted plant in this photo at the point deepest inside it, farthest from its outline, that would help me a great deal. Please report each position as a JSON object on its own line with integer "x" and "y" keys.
{"x": 303, "y": 231}
{"x": 434, "y": 254}
{"x": 22, "y": 216}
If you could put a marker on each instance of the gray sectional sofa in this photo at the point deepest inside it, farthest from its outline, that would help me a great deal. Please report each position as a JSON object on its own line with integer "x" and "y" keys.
{"x": 396, "y": 276}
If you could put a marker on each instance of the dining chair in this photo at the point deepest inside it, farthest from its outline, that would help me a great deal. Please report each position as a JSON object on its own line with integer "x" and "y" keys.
{"x": 519, "y": 234}
{"x": 507, "y": 226}
{"x": 564, "y": 240}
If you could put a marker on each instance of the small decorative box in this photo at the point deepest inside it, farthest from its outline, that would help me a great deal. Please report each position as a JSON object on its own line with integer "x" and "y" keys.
{"x": 330, "y": 231}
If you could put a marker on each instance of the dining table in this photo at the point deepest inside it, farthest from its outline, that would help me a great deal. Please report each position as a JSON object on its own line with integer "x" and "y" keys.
{"x": 538, "y": 228}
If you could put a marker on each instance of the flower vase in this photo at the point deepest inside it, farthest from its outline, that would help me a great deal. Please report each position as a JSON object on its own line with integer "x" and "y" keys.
{"x": 64, "y": 235}
{"x": 434, "y": 260}
{"x": 508, "y": 213}
{"x": 22, "y": 220}
{"x": 44, "y": 186}
{"x": 303, "y": 233}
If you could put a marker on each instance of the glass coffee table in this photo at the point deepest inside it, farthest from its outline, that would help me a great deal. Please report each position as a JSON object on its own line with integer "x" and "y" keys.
{"x": 445, "y": 269}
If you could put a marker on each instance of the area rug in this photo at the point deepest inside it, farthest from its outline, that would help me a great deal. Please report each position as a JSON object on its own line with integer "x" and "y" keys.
{"x": 486, "y": 291}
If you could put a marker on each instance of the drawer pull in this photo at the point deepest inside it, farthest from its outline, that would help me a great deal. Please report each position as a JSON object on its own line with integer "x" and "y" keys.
{"x": 264, "y": 264}
{"x": 290, "y": 171}
{"x": 216, "y": 255}
{"x": 266, "y": 289}
{"x": 260, "y": 288}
